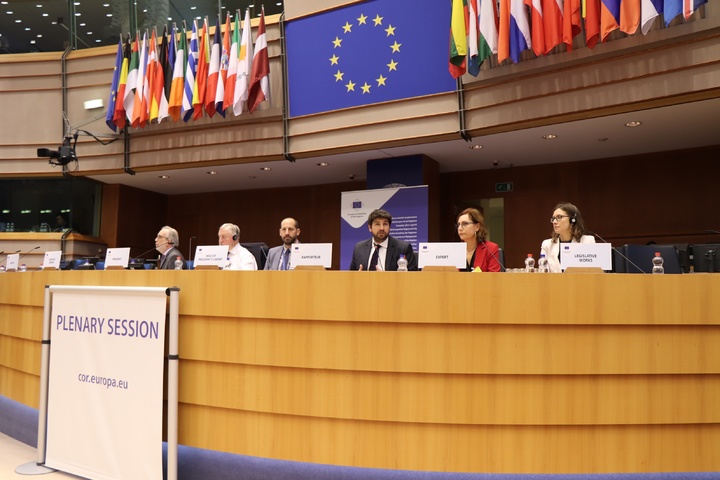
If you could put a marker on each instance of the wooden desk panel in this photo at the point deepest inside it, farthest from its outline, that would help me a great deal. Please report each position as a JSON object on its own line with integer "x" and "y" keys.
{"x": 428, "y": 371}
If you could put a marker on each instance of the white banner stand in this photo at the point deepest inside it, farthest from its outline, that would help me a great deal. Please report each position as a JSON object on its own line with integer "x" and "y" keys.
{"x": 38, "y": 467}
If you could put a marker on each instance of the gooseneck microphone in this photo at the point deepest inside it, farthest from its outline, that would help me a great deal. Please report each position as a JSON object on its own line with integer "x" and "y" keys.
{"x": 13, "y": 253}
{"x": 618, "y": 252}
{"x": 26, "y": 253}
{"x": 145, "y": 253}
{"x": 493, "y": 255}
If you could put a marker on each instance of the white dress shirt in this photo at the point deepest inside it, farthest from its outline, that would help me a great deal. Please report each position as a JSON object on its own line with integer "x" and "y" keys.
{"x": 240, "y": 258}
{"x": 381, "y": 254}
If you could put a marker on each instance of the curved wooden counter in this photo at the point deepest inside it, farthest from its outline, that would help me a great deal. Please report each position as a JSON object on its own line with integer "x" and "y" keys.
{"x": 513, "y": 373}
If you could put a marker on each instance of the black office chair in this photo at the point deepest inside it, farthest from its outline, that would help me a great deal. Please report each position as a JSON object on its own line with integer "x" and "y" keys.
{"x": 618, "y": 261}
{"x": 642, "y": 255}
{"x": 259, "y": 251}
{"x": 501, "y": 258}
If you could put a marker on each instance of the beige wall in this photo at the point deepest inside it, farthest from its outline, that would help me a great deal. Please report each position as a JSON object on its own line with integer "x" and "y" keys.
{"x": 667, "y": 66}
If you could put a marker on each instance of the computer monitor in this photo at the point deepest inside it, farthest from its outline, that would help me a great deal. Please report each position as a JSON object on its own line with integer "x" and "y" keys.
{"x": 706, "y": 257}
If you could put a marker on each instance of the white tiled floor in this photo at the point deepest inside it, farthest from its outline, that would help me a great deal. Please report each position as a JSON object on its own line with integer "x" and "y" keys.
{"x": 14, "y": 453}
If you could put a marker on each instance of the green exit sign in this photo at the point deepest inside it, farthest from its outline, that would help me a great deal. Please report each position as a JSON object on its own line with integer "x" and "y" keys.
{"x": 503, "y": 187}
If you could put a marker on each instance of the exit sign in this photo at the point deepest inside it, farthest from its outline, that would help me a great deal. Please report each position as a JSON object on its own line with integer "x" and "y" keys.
{"x": 503, "y": 187}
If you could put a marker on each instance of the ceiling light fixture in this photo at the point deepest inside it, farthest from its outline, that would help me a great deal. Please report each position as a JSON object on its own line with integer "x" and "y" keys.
{"x": 164, "y": 177}
{"x": 265, "y": 169}
{"x": 475, "y": 147}
{"x": 634, "y": 123}
{"x": 212, "y": 172}
{"x": 323, "y": 164}
{"x": 549, "y": 136}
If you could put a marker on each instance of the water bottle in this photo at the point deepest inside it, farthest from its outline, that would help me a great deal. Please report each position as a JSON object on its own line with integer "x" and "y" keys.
{"x": 529, "y": 263}
{"x": 657, "y": 262}
{"x": 178, "y": 263}
{"x": 543, "y": 264}
{"x": 402, "y": 264}
{"x": 22, "y": 268}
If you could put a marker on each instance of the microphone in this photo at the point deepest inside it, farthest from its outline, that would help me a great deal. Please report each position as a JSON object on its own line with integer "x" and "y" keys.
{"x": 26, "y": 253}
{"x": 190, "y": 247}
{"x": 145, "y": 253}
{"x": 618, "y": 252}
{"x": 493, "y": 255}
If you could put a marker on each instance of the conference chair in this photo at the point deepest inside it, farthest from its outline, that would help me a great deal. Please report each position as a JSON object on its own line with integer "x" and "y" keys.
{"x": 642, "y": 255}
{"x": 501, "y": 258}
{"x": 618, "y": 261}
{"x": 259, "y": 251}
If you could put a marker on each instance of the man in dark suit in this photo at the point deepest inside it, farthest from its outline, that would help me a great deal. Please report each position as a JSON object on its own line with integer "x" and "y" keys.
{"x": 280, "y": 257}
{"x": 381, "y": 252}
{"x": 165, "y": 242}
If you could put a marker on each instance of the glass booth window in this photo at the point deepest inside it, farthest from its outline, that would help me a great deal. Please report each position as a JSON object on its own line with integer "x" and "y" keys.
{"x": 50, "y": 205}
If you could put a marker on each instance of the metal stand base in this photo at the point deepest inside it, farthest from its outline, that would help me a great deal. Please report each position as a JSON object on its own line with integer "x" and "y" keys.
{"x": 33, "y": 468}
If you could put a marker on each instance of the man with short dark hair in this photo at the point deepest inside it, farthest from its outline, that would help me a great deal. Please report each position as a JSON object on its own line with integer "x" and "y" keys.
{"x": 381, "y": 252}
{"x": 279, "y": 258}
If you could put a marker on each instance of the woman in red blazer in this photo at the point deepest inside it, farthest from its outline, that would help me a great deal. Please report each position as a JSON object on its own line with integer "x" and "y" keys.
{"x": 480, "y": 252}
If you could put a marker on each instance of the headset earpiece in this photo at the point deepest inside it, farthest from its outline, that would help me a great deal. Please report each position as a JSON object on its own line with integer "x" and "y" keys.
{"x": 235, "y": 238}
{"x": 572, "y": 220}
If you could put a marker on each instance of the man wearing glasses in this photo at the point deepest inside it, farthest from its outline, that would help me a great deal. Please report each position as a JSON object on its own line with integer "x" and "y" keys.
{"x": 165, "y": 242}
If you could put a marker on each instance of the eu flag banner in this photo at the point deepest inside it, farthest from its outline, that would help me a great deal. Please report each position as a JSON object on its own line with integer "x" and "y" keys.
{"x": 366, "y": 53}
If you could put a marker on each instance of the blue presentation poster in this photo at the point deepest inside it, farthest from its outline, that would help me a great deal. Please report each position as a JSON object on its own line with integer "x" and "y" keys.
{"x": 407, "y": 205}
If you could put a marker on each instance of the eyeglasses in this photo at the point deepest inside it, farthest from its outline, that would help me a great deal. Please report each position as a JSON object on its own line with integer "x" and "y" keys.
{"x": 557, "y": 218}
{"x": 464, "y": 225}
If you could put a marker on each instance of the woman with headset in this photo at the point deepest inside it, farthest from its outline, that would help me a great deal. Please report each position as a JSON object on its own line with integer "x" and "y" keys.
{"x": 568, "y": 227}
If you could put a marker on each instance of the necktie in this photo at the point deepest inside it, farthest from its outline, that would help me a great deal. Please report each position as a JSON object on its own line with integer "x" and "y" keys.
{"x": 374, "y": 258}
{"x": 284, "y": 261}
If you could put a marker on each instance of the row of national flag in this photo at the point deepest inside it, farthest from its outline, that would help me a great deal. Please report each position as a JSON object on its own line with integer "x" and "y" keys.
{"x": 477, "y": 32}
{"x": 172, "y": 77}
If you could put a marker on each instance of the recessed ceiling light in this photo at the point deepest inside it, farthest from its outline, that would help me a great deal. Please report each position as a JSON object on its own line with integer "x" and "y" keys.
{"x": 39, "y": 35}
{"x": 38, "y": 6}
{"x": 46, "y": 15}
{"x": 193, "y": 8}
{"x": 108, "y": 14}
{"x": 10, "y": 12}
{"x": 475, "y": 147}
{"x": 27, "y": 29}
{"x": 164, "y": 177}
{"x": 18, "y": 21}
{"x": 633, "y": 124}
{"x": 549, "y": 136}
{"x": 265, "y": 169}
{"x": 212, "y": 172}
{"x": 32, "y": 42}
{"x": 323, "y": 164}
{"x": 83, "y": 24}
{"x": 89, "y": 33}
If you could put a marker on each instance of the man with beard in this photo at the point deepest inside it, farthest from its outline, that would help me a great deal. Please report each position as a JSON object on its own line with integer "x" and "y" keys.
{"x": 381, "y": 252}
{"x": 279, "y": 257}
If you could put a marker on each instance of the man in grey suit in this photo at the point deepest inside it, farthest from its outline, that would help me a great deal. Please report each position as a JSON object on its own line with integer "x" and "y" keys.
{"x": 279, "y": 258}
{"x": 381, "y": 252}
{"x": 165, "y": 242}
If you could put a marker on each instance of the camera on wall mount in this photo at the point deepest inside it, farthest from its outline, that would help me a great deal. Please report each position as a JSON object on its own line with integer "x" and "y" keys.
{"x": 63, "y": 155}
